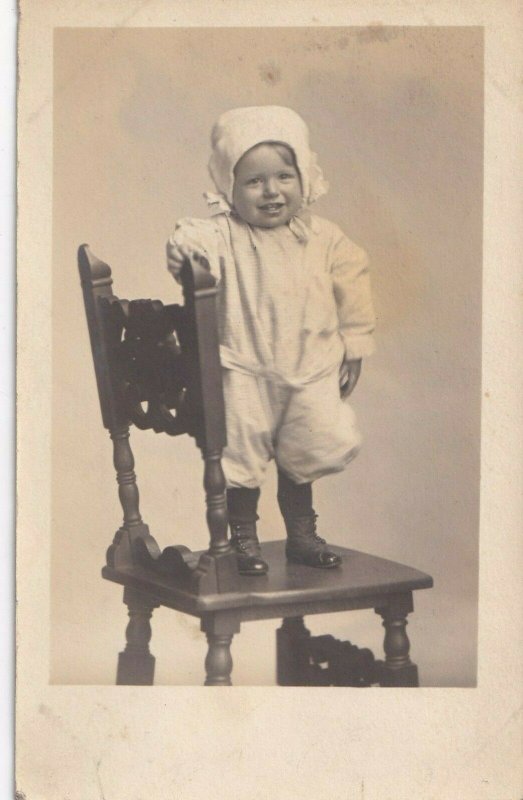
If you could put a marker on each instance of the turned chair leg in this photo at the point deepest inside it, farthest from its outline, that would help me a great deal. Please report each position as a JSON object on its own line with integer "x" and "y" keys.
{"x": 292, "y": 659}
{"x": 136, "y": 663}
{"x": 219, "y": 630}
{"x": 218, "y": 662}
{"x": 397, "y": 669}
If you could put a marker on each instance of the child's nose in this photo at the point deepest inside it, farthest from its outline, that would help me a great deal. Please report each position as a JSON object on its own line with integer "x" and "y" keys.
{"x": 270, "y": 188}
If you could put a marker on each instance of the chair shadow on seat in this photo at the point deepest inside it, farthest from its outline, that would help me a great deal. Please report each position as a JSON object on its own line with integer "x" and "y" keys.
{"x": 158, "y": 367}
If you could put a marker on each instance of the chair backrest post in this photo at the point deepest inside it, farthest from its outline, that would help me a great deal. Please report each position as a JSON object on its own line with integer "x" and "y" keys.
{"x": 159, "y": 367}
{"x": 215, "y": 498}
{"x": 200, "y": 290}
{"x": 97, "y": 282}
{"x": 127, "y": 488}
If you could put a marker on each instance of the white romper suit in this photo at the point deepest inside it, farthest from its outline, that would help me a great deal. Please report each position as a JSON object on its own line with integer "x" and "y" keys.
{"x": 293, "y": 302}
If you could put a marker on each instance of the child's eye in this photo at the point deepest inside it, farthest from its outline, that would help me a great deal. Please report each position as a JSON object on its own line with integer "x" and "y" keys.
{"x": 285, "y": 176}
{"x": 253, "y": 181}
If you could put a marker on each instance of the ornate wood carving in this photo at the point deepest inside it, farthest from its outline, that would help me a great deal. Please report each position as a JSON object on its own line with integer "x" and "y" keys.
{"x": 157, "y": 366}
{"x": 340, "y": 663}
{"x": 149, "y": 364}
{"x": 305, "y": 660}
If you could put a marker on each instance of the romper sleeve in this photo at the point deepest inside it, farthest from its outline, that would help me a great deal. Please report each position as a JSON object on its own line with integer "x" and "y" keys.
{"x": 352, "y": 292}
{"x": 202, "y": 235}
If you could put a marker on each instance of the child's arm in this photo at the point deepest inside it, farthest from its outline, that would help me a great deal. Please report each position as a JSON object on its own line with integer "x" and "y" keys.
{"x": 176, "y": 255}
{"x": 351, "y": 286}
{"x": 194, "y": 237}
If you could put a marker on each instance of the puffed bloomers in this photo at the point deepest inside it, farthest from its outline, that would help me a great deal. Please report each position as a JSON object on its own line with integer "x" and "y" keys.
{"x": 309, "y": 430}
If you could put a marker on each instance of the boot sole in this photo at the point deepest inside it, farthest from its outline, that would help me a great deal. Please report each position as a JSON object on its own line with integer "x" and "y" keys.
{"x": 252, "y": 572}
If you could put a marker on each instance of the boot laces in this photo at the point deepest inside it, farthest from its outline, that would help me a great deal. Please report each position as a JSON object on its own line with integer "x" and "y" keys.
{"x": 315, "y": 536}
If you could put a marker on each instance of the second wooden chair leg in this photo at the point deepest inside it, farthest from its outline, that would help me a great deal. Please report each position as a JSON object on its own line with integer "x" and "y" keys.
{"x": 136, "y": 663}
{"x": 292, "y": 659}
{"x": 397, "y": 669}
{"x": 219, "y": 629}
{"x": 218, "y": 663}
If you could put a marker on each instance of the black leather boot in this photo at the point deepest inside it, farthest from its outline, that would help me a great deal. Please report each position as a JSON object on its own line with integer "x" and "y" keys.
{"x": 304, "y": 546}
{"x": 245, "y": 542}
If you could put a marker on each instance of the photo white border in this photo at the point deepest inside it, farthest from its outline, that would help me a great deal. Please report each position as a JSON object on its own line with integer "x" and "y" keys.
{"x": 129, "y": 742}
{"x": 8, "y": 22}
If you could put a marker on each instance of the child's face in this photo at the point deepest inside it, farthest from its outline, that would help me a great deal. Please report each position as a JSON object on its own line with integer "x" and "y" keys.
{"x": 267, "y": 187}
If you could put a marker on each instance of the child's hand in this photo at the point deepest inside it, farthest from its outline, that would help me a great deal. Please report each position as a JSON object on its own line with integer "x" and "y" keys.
{"x": 177, "y": 254}
{"x": 349, "y": 374}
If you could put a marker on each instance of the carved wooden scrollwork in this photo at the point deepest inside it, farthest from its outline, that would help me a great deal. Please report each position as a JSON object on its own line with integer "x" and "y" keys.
{"x": 158, "y": 367}
{"x": 149, "y": 362}
{"x": 305, "y": 660}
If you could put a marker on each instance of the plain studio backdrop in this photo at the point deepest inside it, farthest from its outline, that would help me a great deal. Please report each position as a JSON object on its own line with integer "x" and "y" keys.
{"x": 396, "y": 116}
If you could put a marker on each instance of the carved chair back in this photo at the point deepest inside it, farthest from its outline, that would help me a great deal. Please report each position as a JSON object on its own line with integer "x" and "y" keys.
{"x": 157, "y": 367}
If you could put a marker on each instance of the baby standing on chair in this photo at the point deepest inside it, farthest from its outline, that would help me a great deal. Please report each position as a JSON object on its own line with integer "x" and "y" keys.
{"x": 295, "y": 320}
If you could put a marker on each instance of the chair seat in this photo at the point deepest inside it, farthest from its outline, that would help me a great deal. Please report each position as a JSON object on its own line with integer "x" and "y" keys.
{"x": 358, "y": 583}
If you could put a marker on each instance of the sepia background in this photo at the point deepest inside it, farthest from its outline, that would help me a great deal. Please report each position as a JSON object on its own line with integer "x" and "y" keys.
{"x": 395, "y": 115}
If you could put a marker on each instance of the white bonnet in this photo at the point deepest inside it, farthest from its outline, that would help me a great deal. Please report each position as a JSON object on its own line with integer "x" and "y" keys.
{"x": 239, "y": 129}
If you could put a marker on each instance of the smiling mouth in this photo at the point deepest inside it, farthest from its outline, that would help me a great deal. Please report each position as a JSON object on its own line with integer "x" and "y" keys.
{"x": 271, "y": 207}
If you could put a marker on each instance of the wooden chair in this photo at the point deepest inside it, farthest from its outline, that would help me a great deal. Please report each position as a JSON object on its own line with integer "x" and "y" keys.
{"x": 157, "y": 366}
